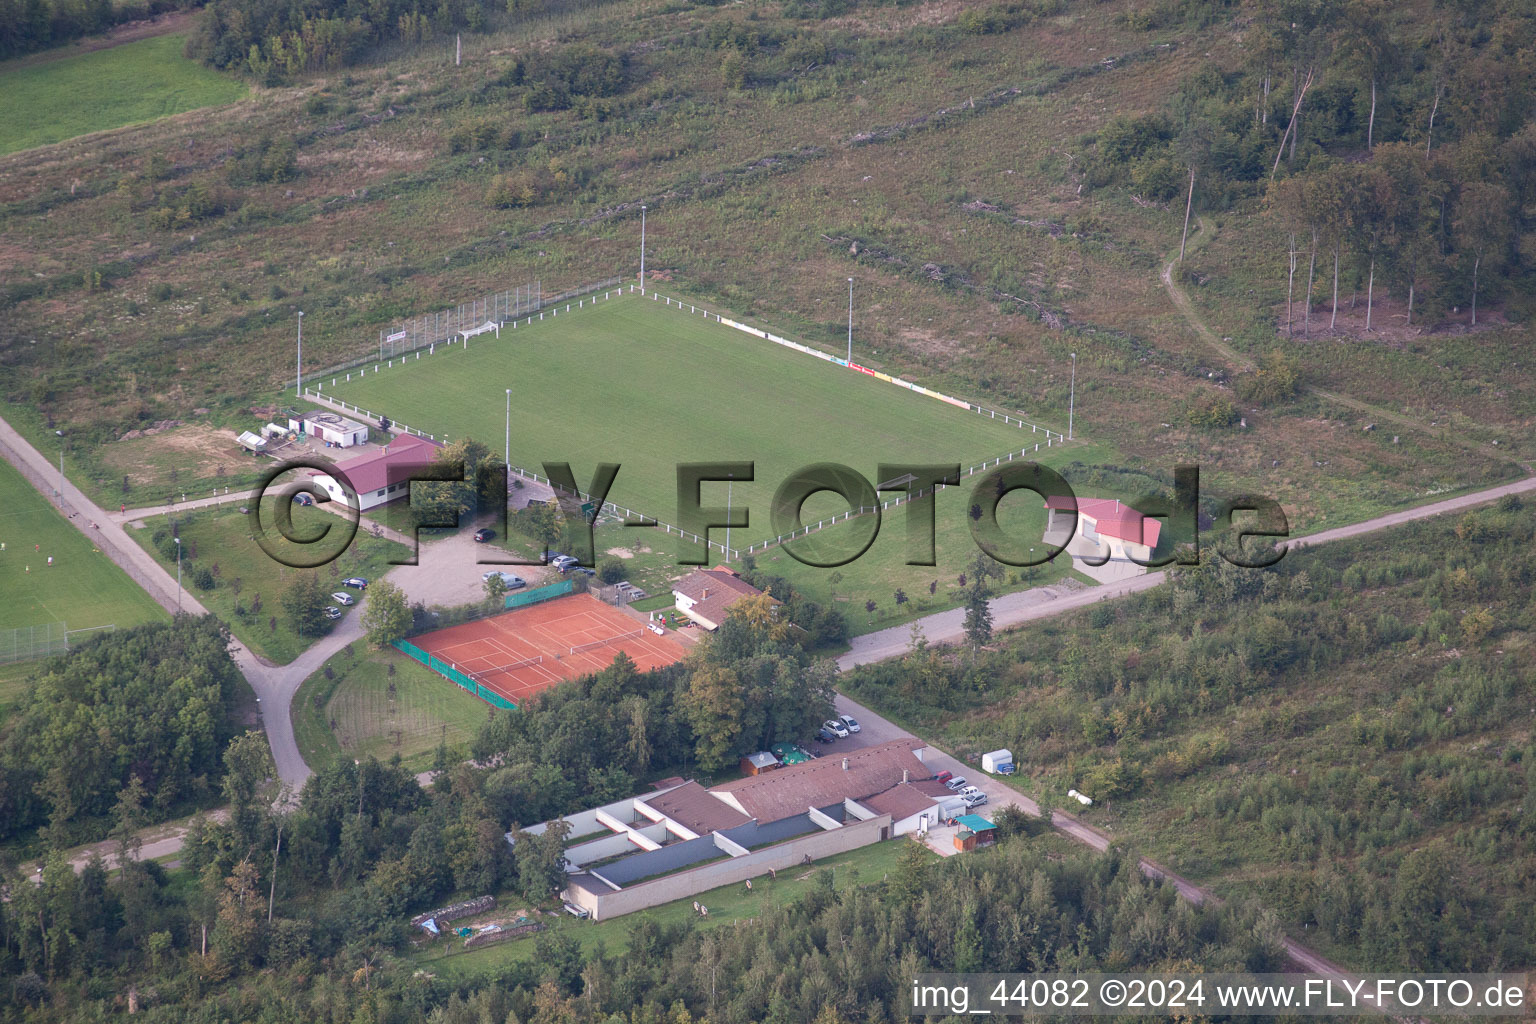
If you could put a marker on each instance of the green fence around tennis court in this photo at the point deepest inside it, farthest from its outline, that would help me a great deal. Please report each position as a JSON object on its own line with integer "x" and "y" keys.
{"x": 454, "y": 674}
{"x": 540, "y": 594}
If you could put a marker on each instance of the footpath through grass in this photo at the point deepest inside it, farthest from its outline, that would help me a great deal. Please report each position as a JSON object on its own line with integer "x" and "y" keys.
{"x": 631, "y": 381}
{"x": 248, "y": 583}
{"x": 83, "y": 587}
{"x": 364, "y": 710}
{"x": 126, "y": 84}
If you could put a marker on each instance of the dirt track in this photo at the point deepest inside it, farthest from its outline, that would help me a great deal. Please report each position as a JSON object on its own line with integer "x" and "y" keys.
{"x": 128, "y": 32}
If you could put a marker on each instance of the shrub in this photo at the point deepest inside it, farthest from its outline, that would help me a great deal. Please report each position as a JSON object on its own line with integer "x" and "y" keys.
{"x": 610, "y": 570}
{"x": 1276, "y": 380}
{"x": 1211, "y": 412}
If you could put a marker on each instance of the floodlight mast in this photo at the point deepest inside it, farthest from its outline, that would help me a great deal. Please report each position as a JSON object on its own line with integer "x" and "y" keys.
{"x": 1072, "y": 397}
{"x": 850, "y": 319}
{"x": 298, "y": 369}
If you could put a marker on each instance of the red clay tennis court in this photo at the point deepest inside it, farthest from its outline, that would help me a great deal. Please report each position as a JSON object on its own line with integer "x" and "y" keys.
{"x": 521, "y": 652}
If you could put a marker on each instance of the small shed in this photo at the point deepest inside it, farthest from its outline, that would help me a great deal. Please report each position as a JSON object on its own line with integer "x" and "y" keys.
{"x": 251, "y": 442}
{"x": 758, "y": 763}
{"x": 980, "y": 830}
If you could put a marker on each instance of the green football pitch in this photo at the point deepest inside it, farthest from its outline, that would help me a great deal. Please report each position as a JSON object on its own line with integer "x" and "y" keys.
{"x": 631, "y": 381}
{"x": 82, "y": 588}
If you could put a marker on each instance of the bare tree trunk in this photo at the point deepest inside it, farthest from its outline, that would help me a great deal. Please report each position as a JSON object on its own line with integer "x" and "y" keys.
{"x": 1295, "y": 112}
{"x": 1189, "y": 203}
{"x": 1370, "y": 125}
{"x": 1475, "y": 264}
{"x": 1290, "y": 288}
{"x": 1410, "y": 304}
{"x": 1429, "y": 140}
{"x": 272, "y": 893}
{"x": 1333, "y": 317}
{"x": 1306, "y": 330}
{"x": 1265, "y": 119}
{"x": 1369, "y": 289}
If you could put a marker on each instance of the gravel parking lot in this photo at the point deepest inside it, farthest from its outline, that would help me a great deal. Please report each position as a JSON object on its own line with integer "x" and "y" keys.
{"x": 448, "y": 570}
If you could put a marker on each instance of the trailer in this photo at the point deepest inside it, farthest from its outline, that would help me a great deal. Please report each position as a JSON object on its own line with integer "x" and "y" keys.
{"x": 997, "y": 762}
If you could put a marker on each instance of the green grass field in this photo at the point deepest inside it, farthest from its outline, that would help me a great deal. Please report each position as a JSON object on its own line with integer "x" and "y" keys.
{"x": 82, "y": 588}
{"x": 727, "y": 905}
{"x": 354, "y": 714}
{"x": 126, "y": 84}
{"x": 631, "y": 381}
{"x": 224, "y": 537}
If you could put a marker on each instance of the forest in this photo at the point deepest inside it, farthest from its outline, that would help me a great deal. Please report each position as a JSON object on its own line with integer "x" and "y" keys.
{"x": 148, "y": 709}
{"x": 30, "y": 25}
{"x": 1347, "y": 734}
{"x": 330, "y": 947}
{"x": 1394, "y": 142}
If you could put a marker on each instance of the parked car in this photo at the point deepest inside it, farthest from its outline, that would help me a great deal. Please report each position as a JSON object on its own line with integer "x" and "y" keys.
{"x": 304, "y": 498}
{"x": 332, "y": 612}
{"x": 555, "y": 558}
{"x": 513, "y": 582}
{"x": 563, "y": 562}
{"x": 484, "y": 534}
{"x": 849, "y": 722}
{"x": 955, "y": 783}
{"x": 824, "y": 736}
{"x": 355, "y": 582}
{"x": 343, "y": 598}
{"x": 975, "y": 799}
{"x": 944, "y": 776}
{"x": 583, "y": 570}
{"x": 969, "y": 791}
{"x": 836, "y": 727}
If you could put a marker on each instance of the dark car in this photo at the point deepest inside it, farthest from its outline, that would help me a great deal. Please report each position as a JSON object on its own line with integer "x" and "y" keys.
{"x": 483, "y": 535}
{"x": 355, "y": 582}
{"x": 825, "y": 736}
{"x": 583, "y": 570}
{"x": 304, "y": 499}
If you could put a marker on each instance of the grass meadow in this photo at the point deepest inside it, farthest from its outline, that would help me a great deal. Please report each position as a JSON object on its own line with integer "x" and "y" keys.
{"x": 631, "y": 381}
{"x": 83, "y": 588}
{"x": 223, "y": 539}
{"x": 364, "y": 710}
{"x": 728, "y": 906}
{"x": 127, "y": 84}
{"x": 869, "y": 163}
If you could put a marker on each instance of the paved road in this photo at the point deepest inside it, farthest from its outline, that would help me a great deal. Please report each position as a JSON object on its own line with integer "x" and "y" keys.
{"x": 442, "y": 576}
{"x": 1007, "y": 611}
{"x": 874, "y": 729}
{"x": 1042, "y": 602}
{"x": 157, "y": 841}
{"x": 447, "y": 574}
